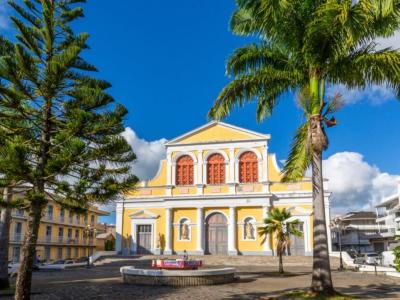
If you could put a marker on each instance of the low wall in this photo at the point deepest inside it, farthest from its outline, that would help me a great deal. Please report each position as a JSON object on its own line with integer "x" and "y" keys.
{"x": 99, "y": 254}
{"x": 177, "y": 277}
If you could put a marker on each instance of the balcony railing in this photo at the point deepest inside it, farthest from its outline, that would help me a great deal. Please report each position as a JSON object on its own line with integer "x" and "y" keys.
{"x": 18, "y": 238}
{"x": 363, "y": 227}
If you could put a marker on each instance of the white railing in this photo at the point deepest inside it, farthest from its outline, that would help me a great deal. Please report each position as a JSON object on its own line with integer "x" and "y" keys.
{"x": 363, "y": 227}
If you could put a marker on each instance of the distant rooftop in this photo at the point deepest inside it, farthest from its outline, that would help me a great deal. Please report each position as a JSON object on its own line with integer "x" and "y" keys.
{"x": 358, "y": 215}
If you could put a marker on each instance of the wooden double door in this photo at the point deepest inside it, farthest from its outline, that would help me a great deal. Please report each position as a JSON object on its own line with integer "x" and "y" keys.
{"x": 297, "y": 243}
{"x": 216, "y": 234}
{"x": 143, "y": 239}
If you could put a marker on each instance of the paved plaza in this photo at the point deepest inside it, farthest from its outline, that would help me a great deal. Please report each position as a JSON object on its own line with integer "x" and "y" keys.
{"x": 258, "y": 280}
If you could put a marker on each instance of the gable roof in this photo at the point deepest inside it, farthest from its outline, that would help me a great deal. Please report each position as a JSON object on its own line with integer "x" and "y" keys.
{"x": 216, "y": 131}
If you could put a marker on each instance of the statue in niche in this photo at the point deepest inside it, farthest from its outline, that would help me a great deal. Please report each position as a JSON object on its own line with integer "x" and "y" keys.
{"x": 185, "y": 231}
{"x": 248, "y": 230}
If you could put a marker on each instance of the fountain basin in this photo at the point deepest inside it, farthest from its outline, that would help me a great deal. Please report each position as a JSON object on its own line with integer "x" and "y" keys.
{"x": 177, "y": 277}
{"x": 176, "y": 264}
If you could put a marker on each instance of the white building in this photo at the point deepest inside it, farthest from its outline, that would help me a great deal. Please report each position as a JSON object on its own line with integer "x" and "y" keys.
{"x": 388, "y": 220}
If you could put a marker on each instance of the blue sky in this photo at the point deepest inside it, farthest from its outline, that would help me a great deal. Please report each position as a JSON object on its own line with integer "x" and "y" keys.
{"x": 166, "y": 59}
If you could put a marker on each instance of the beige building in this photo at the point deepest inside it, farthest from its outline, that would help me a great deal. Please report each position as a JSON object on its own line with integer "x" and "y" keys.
{"x": 63, "y": 234}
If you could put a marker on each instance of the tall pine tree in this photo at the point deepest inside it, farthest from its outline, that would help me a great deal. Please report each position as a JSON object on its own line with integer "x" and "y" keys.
{"x": 6, "y": 49}
{"x": 67, "y": 138}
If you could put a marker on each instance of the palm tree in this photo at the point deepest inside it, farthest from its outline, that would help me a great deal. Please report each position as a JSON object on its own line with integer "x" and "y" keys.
{"x": 305, "y": 45}
{"x": 278, "y": 226}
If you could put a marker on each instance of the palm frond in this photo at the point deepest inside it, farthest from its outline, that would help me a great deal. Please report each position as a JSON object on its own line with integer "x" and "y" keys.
{"x": 300, "y": 155}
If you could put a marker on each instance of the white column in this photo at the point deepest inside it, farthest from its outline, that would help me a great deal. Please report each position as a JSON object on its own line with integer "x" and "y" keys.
{"x": 232, "y": 232}
{"x": 328, "y": 225}
{"x": 200, "y": 231}
{"x": 170, "y": 171}
{"x": 168, "y": 231}
{"x": 118, "y": 242}
{"x": 169, "y": 168}
{"x": 232, "y": 172}
{"x": 266, "y": 245}
{"x": 264, "y": 179}
{"x": 200, "y": 173}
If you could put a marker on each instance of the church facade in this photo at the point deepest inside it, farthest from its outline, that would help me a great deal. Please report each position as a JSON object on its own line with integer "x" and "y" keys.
{"x": 210, "y": 195}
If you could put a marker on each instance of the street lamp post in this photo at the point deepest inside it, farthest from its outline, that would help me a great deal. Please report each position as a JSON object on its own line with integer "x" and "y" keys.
{"x": 89, "y": 232}
{"x": 338, "y": 226}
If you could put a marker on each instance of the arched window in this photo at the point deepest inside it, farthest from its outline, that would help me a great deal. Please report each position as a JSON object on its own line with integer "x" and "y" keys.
{"x": 249, "y": 229}
{"x": 184, "y": 230}
{"x": 184, "y": 170}
{"x": 248, "y": 167}
{"x": 215, "y": 169}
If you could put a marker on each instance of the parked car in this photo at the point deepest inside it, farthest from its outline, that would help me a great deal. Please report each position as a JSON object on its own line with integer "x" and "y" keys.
{"x": 372, "y": 258}
{"x": 82, "y": 259}
{"x": 12, "y": 269}
{"x": 59, "y": 262}
{"x": 368, "y": 259}
{"x": 359, "y": 259}
{"x": 69, "y": 261}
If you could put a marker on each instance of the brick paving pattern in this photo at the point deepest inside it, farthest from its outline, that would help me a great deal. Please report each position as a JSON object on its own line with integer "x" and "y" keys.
{"x": 258, "y": 279}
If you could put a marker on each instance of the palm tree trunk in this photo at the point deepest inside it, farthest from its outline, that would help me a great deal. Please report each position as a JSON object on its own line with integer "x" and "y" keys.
{"x": 24, "y": 279}
{"x": 321, "y": 276}
{"x": 280, "y": 263}
{"x": 5, "y": 220}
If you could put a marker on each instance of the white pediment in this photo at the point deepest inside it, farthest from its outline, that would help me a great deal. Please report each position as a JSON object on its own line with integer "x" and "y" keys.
{"x": 143, "y": 214}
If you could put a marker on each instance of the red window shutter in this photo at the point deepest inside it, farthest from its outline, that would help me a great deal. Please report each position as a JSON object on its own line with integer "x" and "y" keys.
{"x": 215, "y": 169}
{"x": 248, "y": 167}
{"x": 184, "y": 170}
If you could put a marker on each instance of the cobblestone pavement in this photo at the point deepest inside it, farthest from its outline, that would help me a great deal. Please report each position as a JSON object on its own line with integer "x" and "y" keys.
{"x": 258, "y": 279}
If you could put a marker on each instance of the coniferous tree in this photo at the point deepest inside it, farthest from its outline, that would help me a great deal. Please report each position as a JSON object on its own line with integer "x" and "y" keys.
{"x": 67, "y": 144}
{"x": 6, "y": 49}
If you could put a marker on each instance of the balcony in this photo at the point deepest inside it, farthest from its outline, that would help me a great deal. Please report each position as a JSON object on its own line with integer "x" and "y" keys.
{"x": 363, "y": 227}
{"x": 49, "y": 240}
{"x": 17, "y": 237}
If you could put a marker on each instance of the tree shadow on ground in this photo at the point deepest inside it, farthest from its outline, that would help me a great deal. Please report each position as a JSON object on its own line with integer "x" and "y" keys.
{"x": 372, "y": 291}
{"x": 271, "y": 274}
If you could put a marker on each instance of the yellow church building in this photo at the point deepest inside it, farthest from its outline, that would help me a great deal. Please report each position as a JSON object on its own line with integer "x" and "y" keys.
{"x": 211, "y": 193}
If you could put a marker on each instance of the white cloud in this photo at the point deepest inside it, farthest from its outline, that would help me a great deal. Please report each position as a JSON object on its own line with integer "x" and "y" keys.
{"x": 148, "y": 154}
{"x": 393, "y": 41}
{"x": 373, "y": 94}
{"x": 355, "y": 184}
{"x": 4, "y": 17}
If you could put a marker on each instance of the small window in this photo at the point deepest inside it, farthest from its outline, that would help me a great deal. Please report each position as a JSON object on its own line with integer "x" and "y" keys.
{"x": 248, "y": 167}
{"x": 184, "y": 230}
{"x": 47, "y": 253}
{"x": 215, "y": 169}
{"x": 249, "y": 229}
{"x": 59, "y": 252}
{"x": 184, "y": 170}
{"x": 50, "y": 212}
{"x": 16, "y": 254}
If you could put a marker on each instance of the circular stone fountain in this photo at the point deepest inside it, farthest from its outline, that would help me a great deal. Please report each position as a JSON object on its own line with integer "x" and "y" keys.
{"x": 176, "y": 273}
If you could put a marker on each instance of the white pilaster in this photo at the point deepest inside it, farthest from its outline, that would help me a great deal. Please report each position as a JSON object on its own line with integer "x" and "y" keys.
{"x": 232, "y": 165}
{"x": 168, "y": 231}
{"x": 169, "y": 169}
{"x": 118, "y": 242}
{"x": 232, "y": 232}
{"x": 328, "y": 220}
{"x": 232, "y": 172}
{"x": 266, "y": 245}
{"x": 200, "y": 231}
